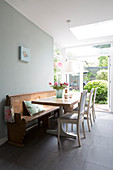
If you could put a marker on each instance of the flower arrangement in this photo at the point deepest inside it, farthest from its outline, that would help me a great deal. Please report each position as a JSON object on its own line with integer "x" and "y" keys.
{"x": 58, "y": 86}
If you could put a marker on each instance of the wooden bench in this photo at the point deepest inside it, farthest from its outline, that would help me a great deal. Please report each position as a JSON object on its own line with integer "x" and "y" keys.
{"x": 16, "y": 130}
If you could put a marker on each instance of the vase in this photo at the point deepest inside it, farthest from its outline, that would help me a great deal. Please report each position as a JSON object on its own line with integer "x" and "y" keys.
{"x": 59, "y": 93}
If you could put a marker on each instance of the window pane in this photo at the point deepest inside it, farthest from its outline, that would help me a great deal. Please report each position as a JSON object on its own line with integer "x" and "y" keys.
{"x": 74, "y": 82}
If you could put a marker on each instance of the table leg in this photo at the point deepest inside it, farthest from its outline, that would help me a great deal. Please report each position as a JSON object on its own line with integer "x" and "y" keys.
{"x": 62, "y": 132}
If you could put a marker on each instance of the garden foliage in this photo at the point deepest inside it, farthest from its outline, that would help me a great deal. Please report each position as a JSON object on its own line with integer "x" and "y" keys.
{"x": 102, "y": 91}
{"x": 102, "y": 75}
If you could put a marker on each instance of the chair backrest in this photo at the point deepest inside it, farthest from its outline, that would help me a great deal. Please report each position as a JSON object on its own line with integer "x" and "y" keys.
{"x": 82, "y": 104}
{"x": 90, "y": 100}
{"x": 94, "y": 96}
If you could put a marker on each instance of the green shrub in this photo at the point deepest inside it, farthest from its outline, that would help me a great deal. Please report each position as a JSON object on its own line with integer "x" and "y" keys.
{"x": 102, "y": 91}
{"x": 102, "y": 75}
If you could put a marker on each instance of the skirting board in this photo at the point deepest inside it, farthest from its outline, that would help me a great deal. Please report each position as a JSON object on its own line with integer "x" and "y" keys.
{"x": 3, "y": 140}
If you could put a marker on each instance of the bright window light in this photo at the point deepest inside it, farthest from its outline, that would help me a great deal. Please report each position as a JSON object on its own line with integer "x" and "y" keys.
{"x": 96, "y": 30}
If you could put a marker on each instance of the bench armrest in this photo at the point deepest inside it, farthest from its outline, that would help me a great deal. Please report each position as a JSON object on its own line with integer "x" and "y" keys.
{"x": 17, "y": 117}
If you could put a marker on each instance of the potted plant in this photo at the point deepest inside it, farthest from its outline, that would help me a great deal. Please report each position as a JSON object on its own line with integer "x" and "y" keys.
{"x": 59, "y": 88}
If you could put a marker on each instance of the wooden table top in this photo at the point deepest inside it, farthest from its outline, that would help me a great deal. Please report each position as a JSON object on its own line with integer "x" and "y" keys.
{"x": 59, "y": 101}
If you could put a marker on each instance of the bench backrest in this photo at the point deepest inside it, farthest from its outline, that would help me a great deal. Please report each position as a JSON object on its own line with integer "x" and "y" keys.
{"x": 16, "y": 101}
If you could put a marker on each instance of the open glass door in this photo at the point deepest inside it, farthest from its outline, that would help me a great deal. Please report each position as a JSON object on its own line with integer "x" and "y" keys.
{"x": 74, "y": 82}
{"x": 96, "y": 67}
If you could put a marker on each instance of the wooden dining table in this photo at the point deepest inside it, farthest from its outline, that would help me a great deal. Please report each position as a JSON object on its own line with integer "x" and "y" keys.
{"x": 62, "y": 103}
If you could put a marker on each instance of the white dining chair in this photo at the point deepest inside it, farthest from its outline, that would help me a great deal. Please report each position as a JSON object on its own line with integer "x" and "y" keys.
{"x": 74, "y": 118}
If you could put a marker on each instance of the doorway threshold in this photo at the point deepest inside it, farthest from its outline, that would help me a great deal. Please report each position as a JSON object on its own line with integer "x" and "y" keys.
{"x": 101, "y": 107}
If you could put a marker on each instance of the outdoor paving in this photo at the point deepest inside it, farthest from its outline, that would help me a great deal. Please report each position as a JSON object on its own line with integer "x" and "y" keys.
{"x": 101, "y": 107}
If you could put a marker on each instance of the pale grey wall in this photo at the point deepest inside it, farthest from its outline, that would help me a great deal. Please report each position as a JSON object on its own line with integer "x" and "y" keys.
{"x": 16, "y": 76}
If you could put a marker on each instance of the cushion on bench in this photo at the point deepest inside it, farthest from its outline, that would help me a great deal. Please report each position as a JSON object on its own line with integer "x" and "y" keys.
{"x": 48, "y": 109}
{"x": 33, "y": 108}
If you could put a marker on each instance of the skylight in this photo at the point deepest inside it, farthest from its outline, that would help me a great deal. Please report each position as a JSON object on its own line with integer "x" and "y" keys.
{"x": 100, "y": 29}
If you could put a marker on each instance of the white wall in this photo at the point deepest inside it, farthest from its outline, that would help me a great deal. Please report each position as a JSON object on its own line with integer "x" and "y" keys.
{"x": 18, "y": 77}
{"x": 111, "y": 78}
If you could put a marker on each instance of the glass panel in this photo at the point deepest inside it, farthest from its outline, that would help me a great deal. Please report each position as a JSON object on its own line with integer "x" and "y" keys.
{"x": 59, "y": 78}
{"x": 58, "y": 63}
{"x": 57, "y": 70}
{"x": 74, "y": 82}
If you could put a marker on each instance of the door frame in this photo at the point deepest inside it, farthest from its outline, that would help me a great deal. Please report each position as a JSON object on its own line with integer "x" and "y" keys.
{"x": 110, "y": 68}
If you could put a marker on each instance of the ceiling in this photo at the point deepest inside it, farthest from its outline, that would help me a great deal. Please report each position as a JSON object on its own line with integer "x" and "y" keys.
{"x": 51, "y": 16}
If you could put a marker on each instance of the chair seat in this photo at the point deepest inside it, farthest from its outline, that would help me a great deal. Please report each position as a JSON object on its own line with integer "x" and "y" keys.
{"x": 86, "y": 110}
{"x": 71, "y": 116}
{"x": 76, "y": 109}
{"x": 87, "y": 104}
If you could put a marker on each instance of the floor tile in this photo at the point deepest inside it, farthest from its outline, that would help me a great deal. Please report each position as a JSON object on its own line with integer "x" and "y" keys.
{"x": 100, "y": 156}
{"x": 42, "y": 152}
{"x": 103, "y": 142}
{"x": 90, "y": 166}
{"x": 66, "y": 164}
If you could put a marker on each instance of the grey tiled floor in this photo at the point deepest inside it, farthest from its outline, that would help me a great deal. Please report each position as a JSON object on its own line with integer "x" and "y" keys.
{"x": 41, "y": 151}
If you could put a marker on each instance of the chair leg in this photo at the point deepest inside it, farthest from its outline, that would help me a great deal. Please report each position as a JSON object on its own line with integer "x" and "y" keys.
{"x": 93, "y": 114}
{"x": 91, "y": 120}
{"x": 88, "y": 123}
{"x": 66, "y": 127}
{"x": 83, "y": 129}
{"x": 72, "y": 127}
{"x": 58, "y": 131}
{"x": 78, "y": 134}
